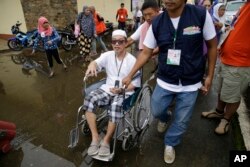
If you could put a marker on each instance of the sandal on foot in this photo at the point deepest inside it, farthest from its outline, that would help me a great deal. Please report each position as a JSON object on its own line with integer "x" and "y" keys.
{"x": 223, "y": 127}
{"x": 104, "y": 150}
{"x": 93, "y": 148}
{"x": 212, "y": 114}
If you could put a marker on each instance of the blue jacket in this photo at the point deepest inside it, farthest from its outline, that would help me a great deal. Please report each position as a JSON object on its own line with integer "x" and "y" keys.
{"x": 189, "y": 39}
{"x": 55, "y": 38}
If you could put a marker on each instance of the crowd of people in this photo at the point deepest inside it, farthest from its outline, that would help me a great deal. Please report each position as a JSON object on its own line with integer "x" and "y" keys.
{"x": 185, "y": 38}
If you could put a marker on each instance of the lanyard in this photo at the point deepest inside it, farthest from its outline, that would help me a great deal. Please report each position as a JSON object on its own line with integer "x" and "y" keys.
{"x": 118, "y": 69}
{"x": 175, "y": 36}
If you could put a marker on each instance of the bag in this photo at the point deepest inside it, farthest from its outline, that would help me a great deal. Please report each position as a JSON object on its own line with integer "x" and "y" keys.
{"x": 77, "y": 30}
{"x": 100, "y": 28}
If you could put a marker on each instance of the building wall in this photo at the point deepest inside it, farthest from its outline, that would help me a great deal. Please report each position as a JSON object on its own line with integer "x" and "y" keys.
{"x": 10, "y": 12}
{"x": 59, "y": 12}
{"x": 107, "y": 8}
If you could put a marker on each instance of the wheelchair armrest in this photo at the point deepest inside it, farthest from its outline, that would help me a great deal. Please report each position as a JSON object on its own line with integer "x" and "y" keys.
{"x": 130, "y": 101}
{"x": 93, "y": 86}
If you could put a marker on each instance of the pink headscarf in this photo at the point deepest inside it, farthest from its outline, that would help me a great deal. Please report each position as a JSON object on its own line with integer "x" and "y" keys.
{"x": 40, "y": 28}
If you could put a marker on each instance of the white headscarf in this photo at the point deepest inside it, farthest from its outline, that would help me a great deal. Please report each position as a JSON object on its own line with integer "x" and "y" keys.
{"x": 216, "y": 11}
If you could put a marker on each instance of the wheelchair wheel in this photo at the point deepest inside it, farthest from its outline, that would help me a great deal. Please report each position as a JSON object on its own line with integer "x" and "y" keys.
{"x": 127, "y": 143}
{"x": 142, "y": 115}
{"x": 85, "y": 128}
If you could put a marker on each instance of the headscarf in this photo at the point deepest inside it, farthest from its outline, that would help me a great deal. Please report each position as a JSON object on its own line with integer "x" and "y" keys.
{"x": 87, "y": 23}
{"x": 40, "y": 28}
{"x": 216, "y": 11}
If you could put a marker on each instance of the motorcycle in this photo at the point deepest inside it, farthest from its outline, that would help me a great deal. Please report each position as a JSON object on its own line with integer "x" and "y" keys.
{"x": 68, "y": 39}
{"x": 23, "y": 40}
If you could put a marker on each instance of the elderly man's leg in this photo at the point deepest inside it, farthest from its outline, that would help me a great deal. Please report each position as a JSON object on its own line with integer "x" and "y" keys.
{"x": 94, "y": 99}
{"x": 105, "y": 145}
{"x": 115, "y": 115}
{"x": 91, "y": 119}
{"x": 94, "y": 146}
{"x": 110, "y": 132}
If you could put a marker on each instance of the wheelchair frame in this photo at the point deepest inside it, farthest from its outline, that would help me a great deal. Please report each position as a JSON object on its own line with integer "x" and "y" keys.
{"x": 131, "y": 128}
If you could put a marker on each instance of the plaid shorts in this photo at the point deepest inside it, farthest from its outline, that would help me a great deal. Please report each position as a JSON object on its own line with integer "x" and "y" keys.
{"x": 99, "y": 98}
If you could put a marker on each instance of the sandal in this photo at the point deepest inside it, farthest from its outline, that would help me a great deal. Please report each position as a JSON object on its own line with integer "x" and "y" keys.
{"x": 104, "y": 150}
{"x": 93, "y": 148}
{"x": 223, "y": 127}
{"x": 212, "y": 114}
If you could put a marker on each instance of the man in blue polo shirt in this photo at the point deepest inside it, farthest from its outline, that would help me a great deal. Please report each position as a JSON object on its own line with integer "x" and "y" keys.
{"x": 179, "y": 33}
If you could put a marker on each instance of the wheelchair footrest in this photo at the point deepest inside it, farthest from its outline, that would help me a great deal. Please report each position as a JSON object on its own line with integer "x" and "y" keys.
{"x": 102, "y": 158}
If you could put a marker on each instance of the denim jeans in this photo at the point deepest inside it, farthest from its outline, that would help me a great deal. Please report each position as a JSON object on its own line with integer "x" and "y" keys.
{"x": 98, "y": 39}
{"x": 184, "y": 104}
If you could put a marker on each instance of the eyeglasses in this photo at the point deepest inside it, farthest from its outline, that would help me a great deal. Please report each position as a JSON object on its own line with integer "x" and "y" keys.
{"x": 119, "y": 42}
{"x": 45, "y": 22}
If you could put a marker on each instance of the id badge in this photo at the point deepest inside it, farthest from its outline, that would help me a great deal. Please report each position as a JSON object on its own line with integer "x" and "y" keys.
{"x": 117, "y": 82}
{"x": 174, "y": 57}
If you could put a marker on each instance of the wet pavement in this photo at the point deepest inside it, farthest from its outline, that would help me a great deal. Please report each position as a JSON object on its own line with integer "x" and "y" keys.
{"x": 44, "y": 111}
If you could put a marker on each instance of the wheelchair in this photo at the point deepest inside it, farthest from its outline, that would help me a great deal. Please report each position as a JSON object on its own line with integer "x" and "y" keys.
{"x": 129, "y": 130}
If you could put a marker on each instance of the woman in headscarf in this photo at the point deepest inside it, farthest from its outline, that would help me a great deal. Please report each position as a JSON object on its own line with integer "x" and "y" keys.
{"x": 219, "y": 19}
{"x": 87, "y": 31}
{"x": 50, "y": 38}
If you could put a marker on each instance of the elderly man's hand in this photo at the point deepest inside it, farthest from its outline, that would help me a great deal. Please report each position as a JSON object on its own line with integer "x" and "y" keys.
{"x": 91, "y": 71}
{"x": 115, "y": 90}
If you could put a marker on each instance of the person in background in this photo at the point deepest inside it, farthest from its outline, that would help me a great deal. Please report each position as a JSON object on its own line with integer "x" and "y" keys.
{"x": 117, "y": 64}
{"x": 50, "y": 38}
{"x": 219, "y": 19}
{"x": 207, "y": 4}
{"x": 150, "y": 9}
{"x": 100, "y": 29}
{"x": 87, "y": 32}
{"x": 121, "y": 17}
{"x": 235, "y": 71}
{"x": 137, "y": 17}
{"x": 181, "y": 65}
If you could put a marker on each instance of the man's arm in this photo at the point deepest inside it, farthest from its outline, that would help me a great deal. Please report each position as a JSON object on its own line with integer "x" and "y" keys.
{"x": 134, "y": 37}
{"x": 116, "y": 14}
{"x": 129, "y": 42}
{"x": 142, "y": 59}
{"x": 212, "y": 56}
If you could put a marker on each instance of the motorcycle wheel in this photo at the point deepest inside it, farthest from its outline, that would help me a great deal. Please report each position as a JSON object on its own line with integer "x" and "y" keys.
{"x": 14, "y": 45}
{"x": 18, "y": 59}
{"x": 65, "y": 46}
{"x": 40, "y": 47}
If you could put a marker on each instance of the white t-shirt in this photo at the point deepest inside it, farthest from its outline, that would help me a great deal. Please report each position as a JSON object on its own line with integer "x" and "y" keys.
{"x": 138, "y": 13}
{"x": 136, "y": 35}
{"x": 150, "y": 42}
{"x": 111, "y": 64}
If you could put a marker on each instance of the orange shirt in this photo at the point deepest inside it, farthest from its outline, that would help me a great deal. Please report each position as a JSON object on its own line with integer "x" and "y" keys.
{"x": 122, "y": 14}
{"x": 99, "y": 25}
{"x": 236, "y": 49}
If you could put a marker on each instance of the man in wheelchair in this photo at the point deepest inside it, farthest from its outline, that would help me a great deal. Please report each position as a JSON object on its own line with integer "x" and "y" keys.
{"x": 117, "y": 65}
